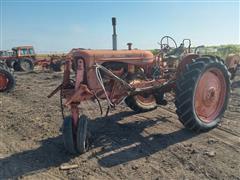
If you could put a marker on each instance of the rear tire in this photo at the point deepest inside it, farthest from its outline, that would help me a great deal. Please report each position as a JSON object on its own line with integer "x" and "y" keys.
{"x": 7, "y": 80}
{"x": 202, "y": 93}
{"x": 10, "y": 63}
{"x": 26, "y": 65}
{"x": 16, "y": 66}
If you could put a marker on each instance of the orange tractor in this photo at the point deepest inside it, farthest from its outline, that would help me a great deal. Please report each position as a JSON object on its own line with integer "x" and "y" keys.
{"x": 201, "y": 85}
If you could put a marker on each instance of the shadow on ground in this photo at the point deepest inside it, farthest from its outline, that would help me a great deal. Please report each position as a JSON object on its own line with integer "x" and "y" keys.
{"x": 125, "y": 140}
{"x": 122, "y": 143}
{"x": 50, "y": 154}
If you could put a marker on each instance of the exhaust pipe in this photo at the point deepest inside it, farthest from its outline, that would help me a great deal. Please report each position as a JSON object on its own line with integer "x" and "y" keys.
{"x": 114, "y": 36}
{"x": 129, "y": 46}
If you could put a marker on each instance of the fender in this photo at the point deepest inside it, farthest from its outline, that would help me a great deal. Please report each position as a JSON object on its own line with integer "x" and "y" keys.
{"x": 186, "y": 60}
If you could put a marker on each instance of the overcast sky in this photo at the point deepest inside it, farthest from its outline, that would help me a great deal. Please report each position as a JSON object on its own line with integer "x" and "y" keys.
{"x": 63, "y": 25}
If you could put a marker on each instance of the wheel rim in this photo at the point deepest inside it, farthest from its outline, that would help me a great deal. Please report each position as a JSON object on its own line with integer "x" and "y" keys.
{"x": 145, "y": 99}
{"x": 210, "y": 95}
{"x": 3, "y": 81}
{"x": 25, "y": 65}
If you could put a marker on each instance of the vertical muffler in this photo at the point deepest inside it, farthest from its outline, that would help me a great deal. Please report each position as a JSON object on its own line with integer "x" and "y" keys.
{"x": 114, "y": 36}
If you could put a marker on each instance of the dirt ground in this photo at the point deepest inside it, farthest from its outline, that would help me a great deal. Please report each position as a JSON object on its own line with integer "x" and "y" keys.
{"x": 125, "y": 145}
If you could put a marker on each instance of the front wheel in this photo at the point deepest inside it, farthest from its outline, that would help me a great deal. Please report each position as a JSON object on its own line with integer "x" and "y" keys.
{"x": 202, "y": 93}
{"x": 141, "y": 102}
{"x": 69, "y": 135}
{"x": 76, "y": 140}
{"x": 82, "y": 135}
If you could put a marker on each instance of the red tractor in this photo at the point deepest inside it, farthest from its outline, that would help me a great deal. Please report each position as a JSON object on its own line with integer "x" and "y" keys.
{"x": 20, "y": 59}
{"x": 201, "y": 85}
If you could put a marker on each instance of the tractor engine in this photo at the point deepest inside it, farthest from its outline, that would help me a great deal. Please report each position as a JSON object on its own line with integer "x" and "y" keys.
{"x": 126, "y": 64}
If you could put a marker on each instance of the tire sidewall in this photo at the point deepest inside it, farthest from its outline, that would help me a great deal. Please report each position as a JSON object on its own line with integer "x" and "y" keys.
{"x": 82, "y": 130}
{"x": 68, "y": 137}
{"x": 11, "y": 80}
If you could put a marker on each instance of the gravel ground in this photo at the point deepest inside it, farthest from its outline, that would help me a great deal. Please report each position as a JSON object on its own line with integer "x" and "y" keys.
{"x": 125, "y": 145}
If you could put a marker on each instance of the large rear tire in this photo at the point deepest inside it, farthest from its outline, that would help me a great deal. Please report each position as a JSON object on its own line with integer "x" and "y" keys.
{"x": 10, "y": 63}
{"x": 202, "y": 93}
{"x": 16, "y": 66}
{"x": 7, "y": 80}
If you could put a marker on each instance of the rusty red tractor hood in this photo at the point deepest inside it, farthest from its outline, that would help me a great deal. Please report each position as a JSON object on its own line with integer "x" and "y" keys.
{"x": 92, "y": 56}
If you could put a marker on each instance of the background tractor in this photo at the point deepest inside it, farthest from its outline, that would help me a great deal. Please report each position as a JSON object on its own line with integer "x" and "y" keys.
{"x": 200, "y": 83}
{"x": 24, "y": 58}
{"x": 51, "y": 62}
{"x": 20, "y": 59}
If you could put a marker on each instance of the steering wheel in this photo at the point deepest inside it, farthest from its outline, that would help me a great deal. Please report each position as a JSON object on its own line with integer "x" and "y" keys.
{"x": 165, "y": 44}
